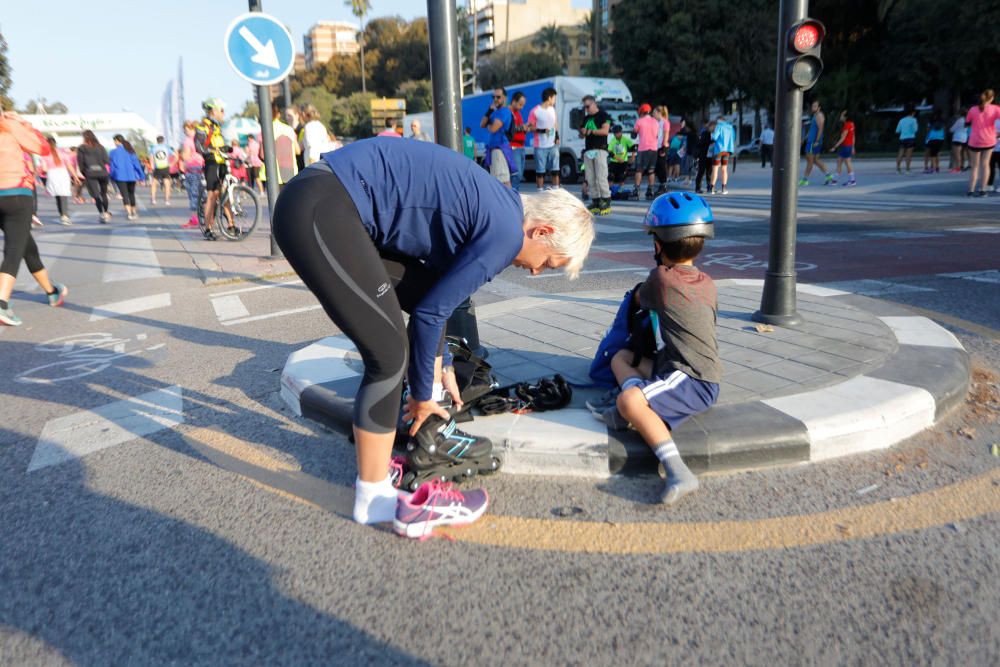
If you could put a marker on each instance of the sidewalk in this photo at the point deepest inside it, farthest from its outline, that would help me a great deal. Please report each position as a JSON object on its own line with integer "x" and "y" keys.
{"x": 859, "y": 375}
{"x": 223, "y": 261}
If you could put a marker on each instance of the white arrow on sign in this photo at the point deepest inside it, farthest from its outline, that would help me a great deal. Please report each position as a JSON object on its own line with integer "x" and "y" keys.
{"x": 266, "y": 54}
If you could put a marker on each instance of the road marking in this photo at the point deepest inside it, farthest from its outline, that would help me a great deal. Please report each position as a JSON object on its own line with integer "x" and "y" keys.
{"x": 50, "y": 248}
{"x": 130, "y": 306}
{"x": 608, "y": 229}
{"x": 74, "y": 436}
{"x": 130, "y": 256}
{"x": 963, "y": 501}
{"x": 868, "y": 287}
{"x": 81, "y": 355}
{"x": 985, "y": 229}
{"x": 240, "y": 449}
{"x": 280, "y": 313}
{"x": 229, "y": 307}
{"x": 257, "y": 288}
{"x": 635, "y": 268}
{"x": 992, "y": 276}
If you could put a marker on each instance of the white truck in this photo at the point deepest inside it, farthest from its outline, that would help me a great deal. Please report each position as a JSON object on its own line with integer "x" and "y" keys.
{"x": 613, "y": 96}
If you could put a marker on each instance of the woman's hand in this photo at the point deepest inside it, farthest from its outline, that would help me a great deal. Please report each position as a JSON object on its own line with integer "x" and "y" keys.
{"x": 451, "y": 386}
{"x": 419, "y": 411}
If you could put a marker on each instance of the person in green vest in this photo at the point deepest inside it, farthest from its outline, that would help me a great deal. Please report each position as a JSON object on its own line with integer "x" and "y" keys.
{"x": 621, "y": 149}
{"x": 469, "y": 144}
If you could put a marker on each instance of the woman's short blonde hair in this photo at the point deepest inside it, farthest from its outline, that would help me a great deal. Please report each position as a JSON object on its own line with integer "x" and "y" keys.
{"x": 572, "y": 224}
{"x": 310, "y": 112}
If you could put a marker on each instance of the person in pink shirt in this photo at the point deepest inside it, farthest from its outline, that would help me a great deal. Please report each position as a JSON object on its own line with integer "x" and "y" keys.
{"x": 647, "y": 130}
{"x": 390, "y": 129}
{"x": 194, "y": 167}
{"x": 60, "y": 176}
{"x": 982, "y": 139}
{"x": 253, "y": 152}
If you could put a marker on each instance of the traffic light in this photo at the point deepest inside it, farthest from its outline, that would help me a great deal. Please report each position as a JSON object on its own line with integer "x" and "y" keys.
{"x": 802, "y": 62}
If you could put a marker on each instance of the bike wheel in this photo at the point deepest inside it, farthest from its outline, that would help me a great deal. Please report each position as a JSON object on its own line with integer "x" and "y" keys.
{"x": 203, "y": 225}
{"x": 247, "y": 211}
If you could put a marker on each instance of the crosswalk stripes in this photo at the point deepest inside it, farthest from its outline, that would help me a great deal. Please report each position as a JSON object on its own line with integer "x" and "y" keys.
{"x": 130, "y": 256}
{"x": 831, "y": 203}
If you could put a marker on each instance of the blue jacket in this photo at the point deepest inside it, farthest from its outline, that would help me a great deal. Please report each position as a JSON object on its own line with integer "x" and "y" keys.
{"x": 724, "y": 136}
{"x": 420, "y": 200}
{"x": 125, "y": 166}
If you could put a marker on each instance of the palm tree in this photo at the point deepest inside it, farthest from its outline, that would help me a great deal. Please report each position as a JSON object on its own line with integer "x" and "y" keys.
{"x": 360, "y": 8}
{"x": 594, "y": 36}
{"x": 553, "y": 38}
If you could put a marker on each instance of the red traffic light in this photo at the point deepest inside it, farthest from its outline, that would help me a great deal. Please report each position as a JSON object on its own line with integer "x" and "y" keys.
{"x": 807, "y": 35}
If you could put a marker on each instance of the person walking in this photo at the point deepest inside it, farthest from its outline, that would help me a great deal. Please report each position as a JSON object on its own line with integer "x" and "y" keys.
{"x": 662, "y": 115}
{"x": 932, "y": 144}
{"x": 844, "y": 148}
{"x": 497, "y": 120}
{"x": 518, "y": 134}
{"x": 159, "y": 161}
{"x": 814, "y": 146}
{"x": 469, "y": 145}
{"x": 315, "y": 138}
{"x": 594, "y": 131}
{"x": 253, "y": 170}
{"x": 60, "y": 178}
{"x": 703, "y": 150}
{"x": 906, "y": 128}
{"x": 982, "y": 140}
{"x": 17, "y": 182}
{"x": 959, "y": 145}
{"x": 194, "y": 167}
{"x": 126, "y": 170}
{"x": 74, "y": 167}
{"x": 544, "y": 125}
{"x": 995, "y": 160}
{"x": 767, "y": 146}
{"x": 92, "y": 159}
{"x": 724, "y": 137}
{"x": 416, "y": 132}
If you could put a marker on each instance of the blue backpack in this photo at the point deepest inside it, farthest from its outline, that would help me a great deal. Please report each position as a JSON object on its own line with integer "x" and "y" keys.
{"x": 634, "y": 329}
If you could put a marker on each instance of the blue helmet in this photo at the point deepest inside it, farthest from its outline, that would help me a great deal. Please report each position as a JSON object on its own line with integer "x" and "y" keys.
{"x": 678, "y": 215}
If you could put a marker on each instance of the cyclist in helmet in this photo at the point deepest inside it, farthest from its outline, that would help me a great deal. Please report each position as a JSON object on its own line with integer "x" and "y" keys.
{"x": 209, "y": 142}
{"x": 682, "y": 377}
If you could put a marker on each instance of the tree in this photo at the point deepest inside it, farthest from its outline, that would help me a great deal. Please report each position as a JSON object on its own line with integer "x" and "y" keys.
{"x": 352, "y": 116}
{"x": 592, "y": 30}
{"x": 553, "y": 38}
{"x": 42, "y": 105}
{"x": 599, "y": 68}
{"x": 5, "y": 76}
{"x": 418, "y": 95}
{"x": 319, "y": 97}
{"x": 527, "y": 66}
{"x": 250, "y": 110}
{"x": 360, "y": 8}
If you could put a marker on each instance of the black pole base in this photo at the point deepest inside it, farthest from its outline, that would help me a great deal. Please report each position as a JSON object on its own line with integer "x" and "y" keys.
{"x": 792, "y": 319}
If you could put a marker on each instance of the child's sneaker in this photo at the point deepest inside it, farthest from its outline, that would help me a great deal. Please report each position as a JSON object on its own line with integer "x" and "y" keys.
{"x": 8, "y": 317}
{"x": 606, "y": 400}
{"x": 725, "y": 190}
{"x": 438, "y": 504}
{"x": 59, "y": 296}
{"x": 850, "y": 184}
{"x": 830, "y": 179}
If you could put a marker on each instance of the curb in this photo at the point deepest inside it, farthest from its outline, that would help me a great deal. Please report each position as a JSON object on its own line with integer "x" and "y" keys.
{"x": 922, "y": 381}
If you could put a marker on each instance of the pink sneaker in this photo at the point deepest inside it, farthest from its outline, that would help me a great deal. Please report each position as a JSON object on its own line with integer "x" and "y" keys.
{"x": 438, "y": 504}
{"x": 192, "y": 222}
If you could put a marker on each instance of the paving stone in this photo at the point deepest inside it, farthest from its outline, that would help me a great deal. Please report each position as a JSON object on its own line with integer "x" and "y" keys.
{"x": 824, "y": 361}
{"x": 757, "y": 381}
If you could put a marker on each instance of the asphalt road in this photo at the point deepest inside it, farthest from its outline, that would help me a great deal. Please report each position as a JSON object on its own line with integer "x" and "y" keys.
{"x": 160, "y": 505}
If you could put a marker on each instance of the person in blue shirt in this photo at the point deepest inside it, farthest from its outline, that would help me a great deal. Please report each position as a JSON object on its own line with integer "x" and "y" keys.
{"x": 126, "y": 169}
{"x": 724, "y": 137}
{"x": 933, "y": 142}
{"x": 814, "y": 146}
{"x": 906, "y": 128}
{"x": 380, "y": 227}
{"x": 499, "y": 158}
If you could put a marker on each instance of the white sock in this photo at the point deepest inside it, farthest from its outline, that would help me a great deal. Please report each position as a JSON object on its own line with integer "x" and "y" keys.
{"x": 374, "y": 502}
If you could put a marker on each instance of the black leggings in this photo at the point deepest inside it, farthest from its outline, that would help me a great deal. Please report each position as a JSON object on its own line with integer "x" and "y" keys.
{"x": 98, "y": 189}
{"x": 127, "y": 188}
{"x": 318, "y": 227}
{"x": 994, "y": 166}
{"x": 15, "y": 221}
{"x": 62, "y": 203}
{"x": 703, "y": 172}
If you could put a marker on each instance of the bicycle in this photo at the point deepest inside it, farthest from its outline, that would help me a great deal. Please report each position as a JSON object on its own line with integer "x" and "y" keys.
{"x": 240, "y": 200}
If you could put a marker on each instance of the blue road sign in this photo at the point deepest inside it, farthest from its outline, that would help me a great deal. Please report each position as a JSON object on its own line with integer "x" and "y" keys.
{"x": 260, "y": 48}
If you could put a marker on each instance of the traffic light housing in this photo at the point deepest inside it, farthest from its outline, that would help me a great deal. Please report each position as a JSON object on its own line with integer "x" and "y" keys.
{"x": 803, "y": 64}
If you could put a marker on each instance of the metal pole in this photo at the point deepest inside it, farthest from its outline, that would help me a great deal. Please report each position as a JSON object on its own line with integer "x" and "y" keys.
{"x": 286, "y": 89}
{"x": 267, "y": 139}
{"x": 777, "y": 305}
{"x": 445, "y": 74}
{"x": 446, "y": 84}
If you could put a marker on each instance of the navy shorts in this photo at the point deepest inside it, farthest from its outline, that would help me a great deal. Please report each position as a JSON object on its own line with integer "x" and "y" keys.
{"x": 677, "y": 396}
{"x": 845, "y": 152}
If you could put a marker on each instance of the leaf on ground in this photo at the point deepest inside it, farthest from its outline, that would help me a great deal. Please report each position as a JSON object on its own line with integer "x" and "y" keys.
{"x": 967, "y": 432}
{"x": 763, "y": 328}
{"x": 995, "y": 450}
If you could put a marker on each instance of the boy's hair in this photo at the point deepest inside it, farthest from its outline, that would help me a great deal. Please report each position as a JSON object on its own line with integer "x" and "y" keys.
{"x": 548, "y": 93}
{"x": 683, "y": 249}
{"x": 572, "y": 224}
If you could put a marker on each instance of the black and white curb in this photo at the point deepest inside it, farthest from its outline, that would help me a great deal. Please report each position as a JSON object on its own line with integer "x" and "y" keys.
{"x": 926, "y": 377}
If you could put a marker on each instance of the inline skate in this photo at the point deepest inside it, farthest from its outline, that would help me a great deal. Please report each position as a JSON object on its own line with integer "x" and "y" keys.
{"x": 441, "y": 451}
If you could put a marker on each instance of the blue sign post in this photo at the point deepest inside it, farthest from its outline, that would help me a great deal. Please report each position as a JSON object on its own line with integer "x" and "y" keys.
{"x": 260, "y": 48}
{"x": 261, "y": 51}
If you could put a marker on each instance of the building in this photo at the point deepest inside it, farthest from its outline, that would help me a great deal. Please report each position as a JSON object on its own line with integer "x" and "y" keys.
{"x": 327, "y": 39}
{"x": 579, "y": 48}
{"x": 505, "y": 21}
{"x": 604, "y": 26}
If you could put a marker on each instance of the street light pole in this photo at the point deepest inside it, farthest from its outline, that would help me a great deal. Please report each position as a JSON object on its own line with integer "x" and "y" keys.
{"x": 267, "y": 139}
{"x": 777, "y": 305}
{"x": 447, "y": 99}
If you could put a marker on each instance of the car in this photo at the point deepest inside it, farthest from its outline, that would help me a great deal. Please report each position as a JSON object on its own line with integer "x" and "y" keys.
{"x": 753, "y": 148}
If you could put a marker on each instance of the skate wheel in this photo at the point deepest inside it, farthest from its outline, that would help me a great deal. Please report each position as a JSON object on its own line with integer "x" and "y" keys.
{"x": 409, "y": 481}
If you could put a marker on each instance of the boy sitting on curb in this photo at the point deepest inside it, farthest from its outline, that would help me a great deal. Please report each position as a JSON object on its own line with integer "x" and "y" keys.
{"x": 683, "y": 378}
